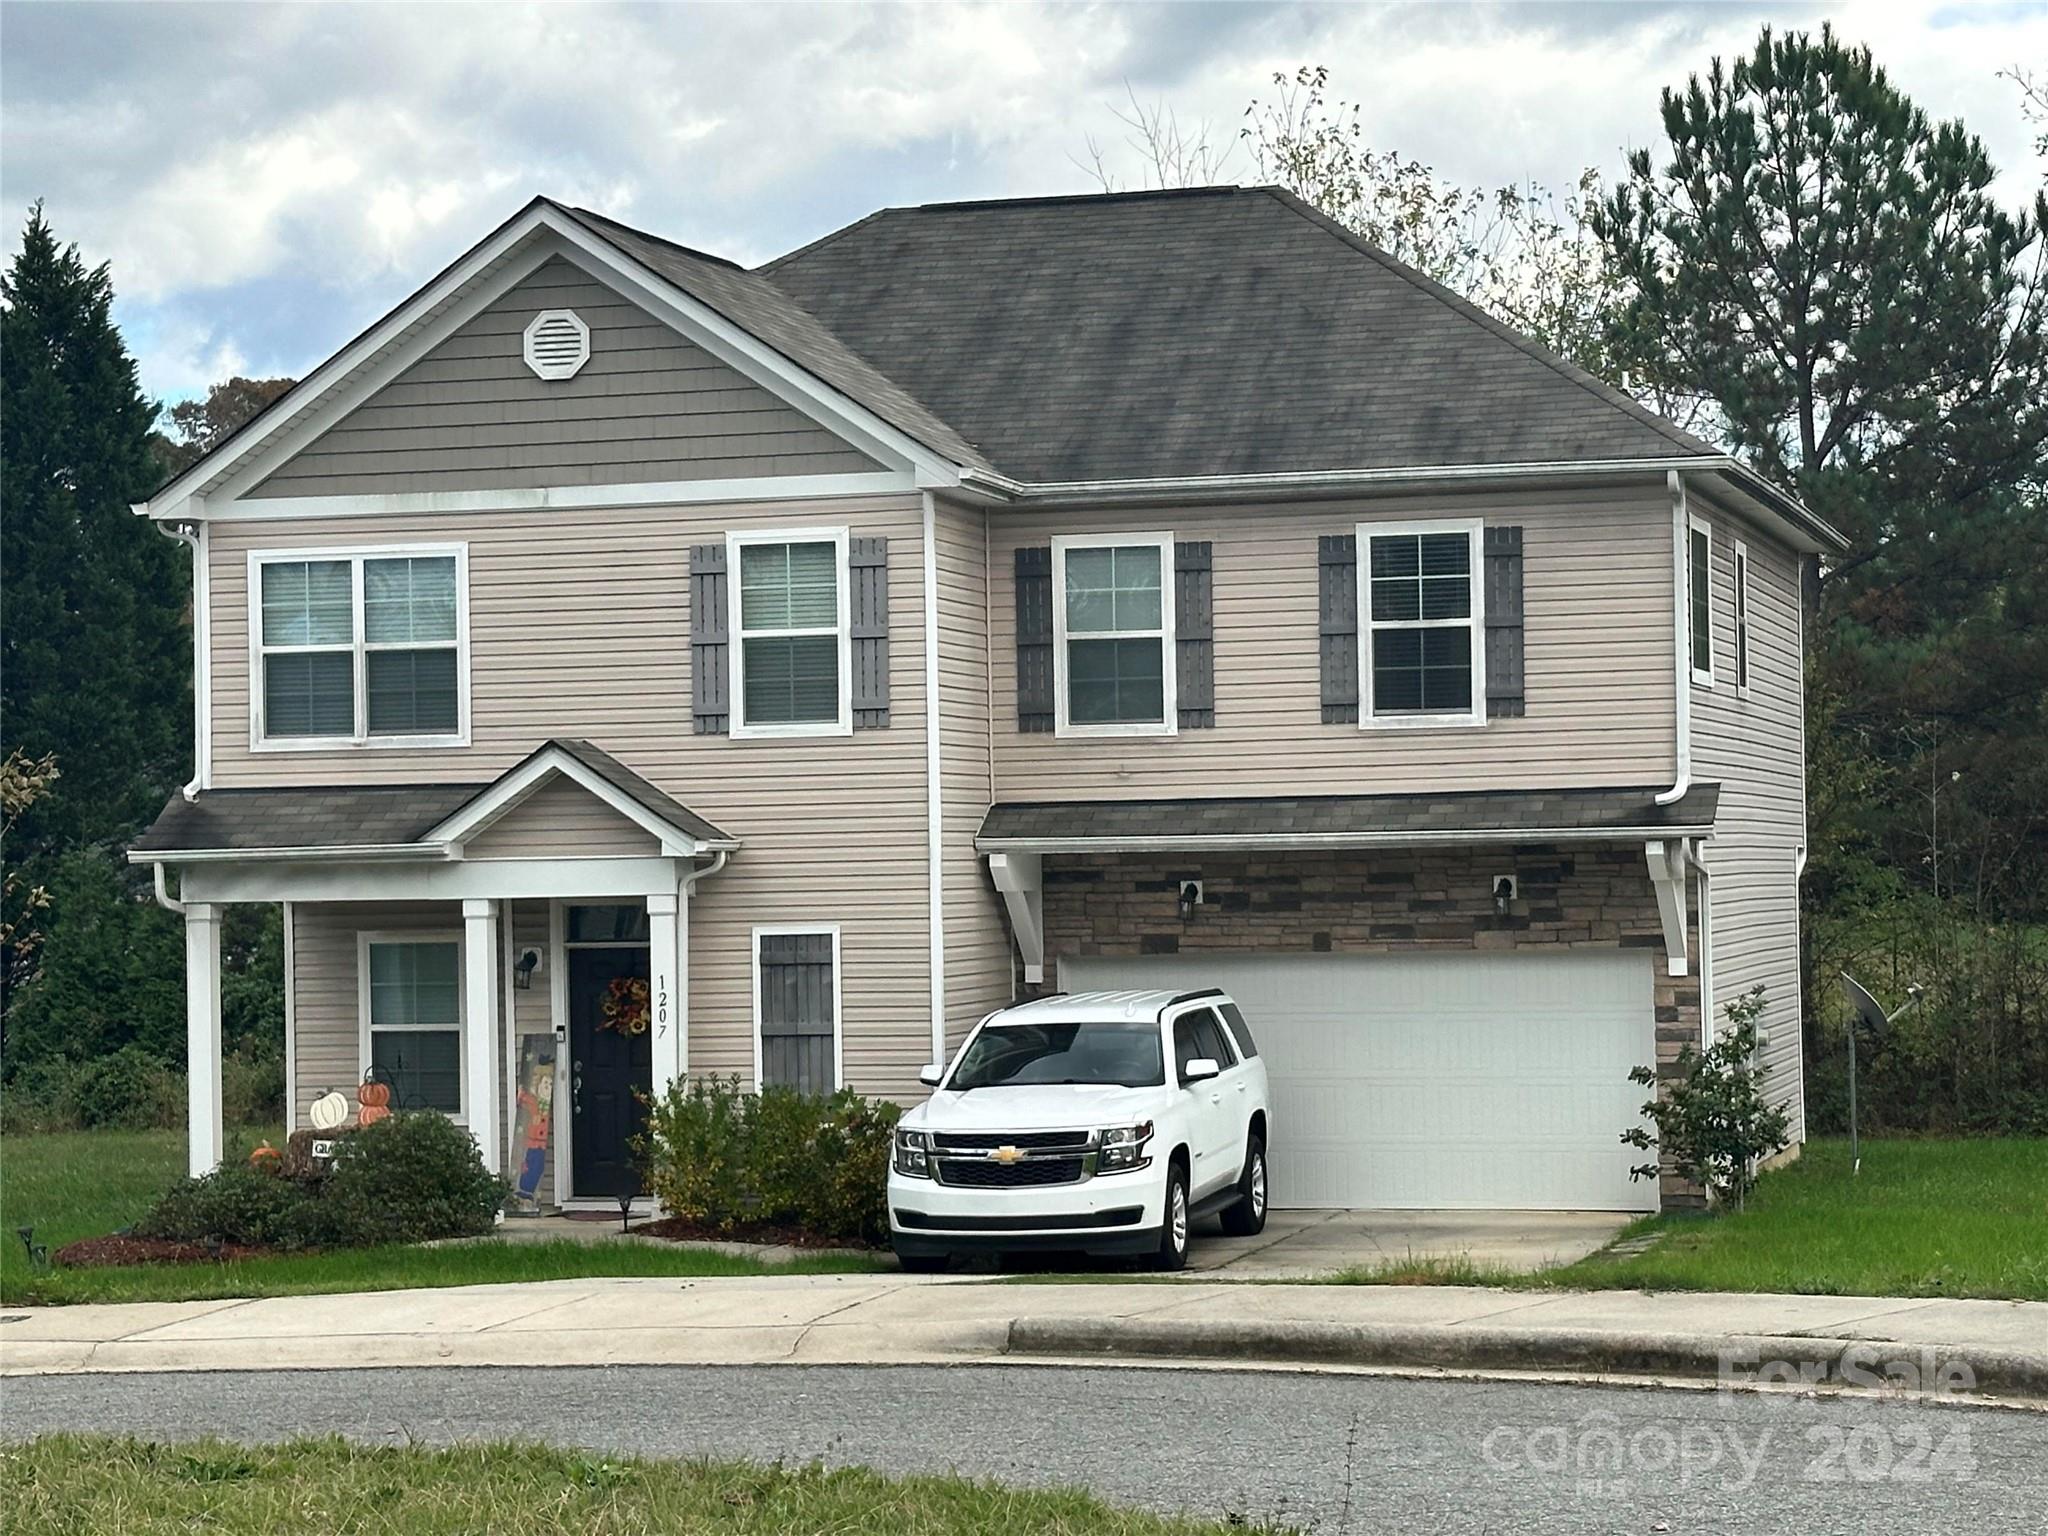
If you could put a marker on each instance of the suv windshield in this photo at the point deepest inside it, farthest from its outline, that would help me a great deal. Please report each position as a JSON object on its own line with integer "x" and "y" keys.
{"x": 1121, "y": 1055}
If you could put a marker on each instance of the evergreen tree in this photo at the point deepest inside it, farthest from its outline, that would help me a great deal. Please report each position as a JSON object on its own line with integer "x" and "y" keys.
{"x": 95, "y": 655}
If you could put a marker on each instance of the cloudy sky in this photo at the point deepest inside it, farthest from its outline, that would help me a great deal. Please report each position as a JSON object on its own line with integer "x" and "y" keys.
{"x": 267, "y": 180}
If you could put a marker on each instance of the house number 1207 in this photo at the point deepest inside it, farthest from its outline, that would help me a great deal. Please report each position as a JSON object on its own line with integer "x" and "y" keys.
{"x": 660, "y": 1006}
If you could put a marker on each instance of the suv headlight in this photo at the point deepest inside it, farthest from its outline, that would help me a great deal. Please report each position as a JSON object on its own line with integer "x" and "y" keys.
{"x": 1122, "y": 1147}
{"x": 913, "y": 1153}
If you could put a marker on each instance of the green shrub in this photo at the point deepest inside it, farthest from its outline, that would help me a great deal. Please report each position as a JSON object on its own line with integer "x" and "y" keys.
{"x": 408, "y": 1179}
{"x": 1714, "y": 1124}
{"x": 717, "y": 1155}
{"x": 252, "y": 1083}
{"x": 129, "y": 1089}
{"x": 240, "y": 1204}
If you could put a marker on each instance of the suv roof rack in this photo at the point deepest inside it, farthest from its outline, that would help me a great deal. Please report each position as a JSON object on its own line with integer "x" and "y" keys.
{"x": 1188, "y": 997}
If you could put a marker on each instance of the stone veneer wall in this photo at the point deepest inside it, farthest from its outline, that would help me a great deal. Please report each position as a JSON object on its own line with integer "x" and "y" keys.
{"x": 1377, "y": 903}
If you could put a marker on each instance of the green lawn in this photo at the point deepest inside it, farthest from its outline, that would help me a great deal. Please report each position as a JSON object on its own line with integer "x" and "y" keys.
{"x": 1924, "y": 1218}
{"x": 66, "y": 1483}
{"x": 86, "y": 1184}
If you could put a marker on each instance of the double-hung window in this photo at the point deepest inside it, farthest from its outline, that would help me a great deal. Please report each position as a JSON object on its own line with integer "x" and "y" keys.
{"x": 412, "y": 1018}
{"x": 1699, "y": 571}
{"x": 792, "y": 647}
{"x": 359, "y": 649}
{"x": 1422, "y": 624}
{"x": 1113, "y": 659}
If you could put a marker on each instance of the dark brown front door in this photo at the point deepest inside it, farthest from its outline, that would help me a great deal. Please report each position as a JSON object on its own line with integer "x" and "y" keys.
{"x": 609, "y": 1070}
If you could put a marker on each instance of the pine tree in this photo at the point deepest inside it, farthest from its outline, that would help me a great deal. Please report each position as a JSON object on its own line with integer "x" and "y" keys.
{"x": 95, "y": 653}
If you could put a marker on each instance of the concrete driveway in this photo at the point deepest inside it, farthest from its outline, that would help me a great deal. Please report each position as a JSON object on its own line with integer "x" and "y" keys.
{"x": 1307, "y": 1244}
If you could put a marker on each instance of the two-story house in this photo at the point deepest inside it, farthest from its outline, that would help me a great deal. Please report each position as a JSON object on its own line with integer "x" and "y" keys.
{"x": 619, "y": 660}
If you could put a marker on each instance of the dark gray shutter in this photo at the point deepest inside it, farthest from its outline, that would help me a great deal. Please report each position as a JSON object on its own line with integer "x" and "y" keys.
{"x": 1194, "y": 635}
{"x": 1034, "y": 639}
{"x": 710, "y": 633}
{"x": 1337, "y": 607}
{"x": 1503, "y": 621}
{"x": 867, "y": 577}
{"x": 796, "y": 1012}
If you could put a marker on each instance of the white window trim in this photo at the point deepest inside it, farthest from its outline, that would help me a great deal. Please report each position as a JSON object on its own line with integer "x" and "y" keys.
{"x": 781, "y": 930}
{"x": 736, "y": 648}
{"x": 359, "y": 740}
{"x": 1744, "y": 662}
{"x": 1474, "y": 529}
{"x": 1695, "y": 524}
{"x": 364, "y": 939}
{"x": 1063, "y": 725}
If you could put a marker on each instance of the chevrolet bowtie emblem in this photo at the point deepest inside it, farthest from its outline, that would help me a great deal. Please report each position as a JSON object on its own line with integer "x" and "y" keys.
{"x": 1005, "y": 1155}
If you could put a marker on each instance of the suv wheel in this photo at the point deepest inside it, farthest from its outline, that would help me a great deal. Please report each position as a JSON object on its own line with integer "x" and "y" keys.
{"x": 1173, "y": 1231}
{"x": 1247, "y": 1218}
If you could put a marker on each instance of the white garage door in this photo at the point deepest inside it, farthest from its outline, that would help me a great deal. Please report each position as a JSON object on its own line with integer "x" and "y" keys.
{"x": 1436, "y": 1080}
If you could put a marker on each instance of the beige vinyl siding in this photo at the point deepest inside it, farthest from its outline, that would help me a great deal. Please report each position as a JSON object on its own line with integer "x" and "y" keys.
{"x": 1597, "y": 593}
{"x": 562, "y": 820}
{"x": 1755, "y": 749}
{"x": 580, "y": 626}
{"x": 648, "y": 406}
{"x": 327, "y": 997}
{"x": 978, "y": 948}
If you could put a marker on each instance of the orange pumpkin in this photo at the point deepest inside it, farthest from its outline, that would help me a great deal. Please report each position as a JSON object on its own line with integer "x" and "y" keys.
{"x": 265, "y": 1157}
{"x": 374, "y": 1094}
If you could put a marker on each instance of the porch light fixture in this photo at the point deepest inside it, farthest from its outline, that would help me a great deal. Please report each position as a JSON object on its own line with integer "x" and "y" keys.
{"x": 523, "y": 969}
{"x": 1190, "y": 899}
{"x": 1503, "y": 894}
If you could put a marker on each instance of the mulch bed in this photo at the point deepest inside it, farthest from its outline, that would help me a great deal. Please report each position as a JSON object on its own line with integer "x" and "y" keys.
{"x": 680, "y": 1229}
{"x": 107, "y": 1252}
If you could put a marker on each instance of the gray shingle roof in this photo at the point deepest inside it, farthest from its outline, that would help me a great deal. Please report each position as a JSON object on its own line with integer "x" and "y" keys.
{"x": 371, "y": 816}
{"x": 1576, "y": 813}
{"x": 757, "y": 306}
{"x": 356, "y": 816}
{"x": 1220, "y": 331}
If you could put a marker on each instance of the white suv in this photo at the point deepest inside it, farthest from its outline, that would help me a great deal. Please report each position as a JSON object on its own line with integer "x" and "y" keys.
{"x": 1103, "y": 1122}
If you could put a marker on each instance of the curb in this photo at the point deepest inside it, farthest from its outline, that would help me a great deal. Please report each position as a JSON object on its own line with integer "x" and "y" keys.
{"x": 1737, "y": 1360}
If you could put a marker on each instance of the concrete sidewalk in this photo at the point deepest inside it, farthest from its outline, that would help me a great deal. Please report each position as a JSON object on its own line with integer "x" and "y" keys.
{"x": 890, "y": 1319}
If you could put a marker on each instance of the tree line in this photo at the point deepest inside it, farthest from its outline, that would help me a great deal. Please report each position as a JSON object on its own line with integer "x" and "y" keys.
{"x": 1807, "y": 268}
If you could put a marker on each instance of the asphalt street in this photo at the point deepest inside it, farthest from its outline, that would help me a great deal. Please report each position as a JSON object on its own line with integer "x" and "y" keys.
{"x": 1328, "y": 1454}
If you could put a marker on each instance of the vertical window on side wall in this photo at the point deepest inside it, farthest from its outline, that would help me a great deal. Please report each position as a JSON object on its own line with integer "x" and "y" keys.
{"x": 359, "y": 649}
{"x": 796, "y": 1009}
{"x": 1742, "y": 618}
{"x": 1113, "y": 655}
{"x": 1699, "y": 585}
{"x": 792, "y": 641}
{"x": 412, "y": 1019}
{"x": 1422, "y": 624}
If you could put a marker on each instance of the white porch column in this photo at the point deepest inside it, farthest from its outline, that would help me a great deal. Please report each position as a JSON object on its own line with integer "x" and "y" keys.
{"x": 202, "y": 1037}
{"x": 480, "y": 1027}
{"x": 664, "y": 987}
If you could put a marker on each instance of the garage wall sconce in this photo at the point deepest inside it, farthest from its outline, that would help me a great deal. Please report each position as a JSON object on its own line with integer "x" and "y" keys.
{"x": 1190, "y": 899}
{"x": 1503, "y": 893}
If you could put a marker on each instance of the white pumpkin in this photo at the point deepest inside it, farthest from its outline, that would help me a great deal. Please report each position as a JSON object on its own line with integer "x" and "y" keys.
{"x": 328, "y": 1111}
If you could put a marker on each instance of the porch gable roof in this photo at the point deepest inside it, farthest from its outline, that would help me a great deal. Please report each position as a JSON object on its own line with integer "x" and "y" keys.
{"x": 1338, "y": 821}
{"x": 358, "y": 820}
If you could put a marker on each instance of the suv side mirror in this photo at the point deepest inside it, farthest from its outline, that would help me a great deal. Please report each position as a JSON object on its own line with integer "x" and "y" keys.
{"x": 1199, "y": 1070}
{"x": 930, "y": 1073}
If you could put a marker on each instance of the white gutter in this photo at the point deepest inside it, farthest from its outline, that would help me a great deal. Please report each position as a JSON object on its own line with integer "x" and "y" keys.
{"x": 363, "y": 851}
{"x": 934, "y": 809}
{"x": 164, "y": 898}
{"x": 1255, "y": 842}
{"x": 202, "y": 671}
{"x": 1681, "y": 641}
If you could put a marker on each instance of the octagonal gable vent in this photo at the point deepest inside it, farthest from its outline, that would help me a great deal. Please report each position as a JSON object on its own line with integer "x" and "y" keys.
{"x": 557, "y": 343}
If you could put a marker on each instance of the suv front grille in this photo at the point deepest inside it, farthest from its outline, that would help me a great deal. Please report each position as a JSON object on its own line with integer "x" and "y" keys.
{"x": 980, "y": 1173}
{"x": 1023, "y": 1141}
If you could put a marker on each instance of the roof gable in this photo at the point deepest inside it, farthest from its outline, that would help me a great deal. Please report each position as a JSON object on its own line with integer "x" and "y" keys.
{"x": 1224, "y": 331}
{"x": 648, "y": 406}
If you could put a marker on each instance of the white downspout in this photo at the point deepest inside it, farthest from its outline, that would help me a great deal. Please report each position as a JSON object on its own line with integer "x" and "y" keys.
{"x": 195, "y": 540}
{"x": 686, "y": 889}
{"x": 164, "y": 898}
{"x": 934, "y": 808}
{"x": 1681, "y": 640}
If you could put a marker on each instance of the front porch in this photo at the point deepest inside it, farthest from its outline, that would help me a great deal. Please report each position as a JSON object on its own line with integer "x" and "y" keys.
{"x": 458, "y": 943}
